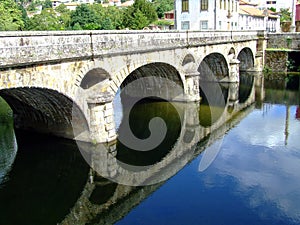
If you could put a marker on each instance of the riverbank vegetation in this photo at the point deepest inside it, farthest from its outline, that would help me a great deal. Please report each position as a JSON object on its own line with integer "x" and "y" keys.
{"x": 14, "y": 15}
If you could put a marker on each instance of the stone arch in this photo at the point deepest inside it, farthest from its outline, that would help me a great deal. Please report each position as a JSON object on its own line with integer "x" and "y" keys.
{"x": 213, "y": 67}
{"x": 93, "y": 77}
{"x": 44, "y": 110}
{"x": 189, "y": 58}
{"x": 138, "y": 70}
{"x": 189, "y": 64}
{"x": 246, "y": 59}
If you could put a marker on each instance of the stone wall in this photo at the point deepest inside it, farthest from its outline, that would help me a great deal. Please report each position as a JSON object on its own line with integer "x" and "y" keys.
{"x": 284, "y": 41}
{"x": 276, "y": 61}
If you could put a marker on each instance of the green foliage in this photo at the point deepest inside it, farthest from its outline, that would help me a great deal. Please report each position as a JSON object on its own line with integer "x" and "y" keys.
{"x": 290, "y": 64}
{"x": 146, "y": 8}
{"x": 13, "y": 16}
{"x": 163, "y": 23}
{"x": 115, "y": 15}
{"x": 32, "y": 7}
{"x": 85, "y": 17}
{"x": 272, "y": 9}
{"x": 163, "y": 6}
{"x": 24, "y": 16}
{"x": 139, "y": 15}
{"x": 47, "y": 4}
{"x": 285, "y": 15}
{"x": 64, "y": 16}
{"x": 47, "y": 20}
{"x": 267, "y": 70}
{"x": 10, "y": 16}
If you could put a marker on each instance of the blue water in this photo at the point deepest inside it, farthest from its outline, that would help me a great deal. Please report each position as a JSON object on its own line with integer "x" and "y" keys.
{"x": 255, "y": 178}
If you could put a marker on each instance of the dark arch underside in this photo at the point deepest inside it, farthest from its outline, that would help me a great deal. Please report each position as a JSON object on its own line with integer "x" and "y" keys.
{"x": 213, "y": 67}
{"x": 44, "y": 111}
{"x": 93, "y": 77}
{"x": 246, "y": 59}
{"x": 155, "y": 74}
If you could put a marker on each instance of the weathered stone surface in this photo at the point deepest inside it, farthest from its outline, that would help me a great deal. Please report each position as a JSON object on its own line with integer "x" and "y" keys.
{"x": 276, "y": 60}
{"x": 284, "y": 41}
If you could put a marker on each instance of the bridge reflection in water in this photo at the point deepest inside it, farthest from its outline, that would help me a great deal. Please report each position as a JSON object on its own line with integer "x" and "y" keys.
{"x": 50, "y": 188}
{"x": 106, "y": 202}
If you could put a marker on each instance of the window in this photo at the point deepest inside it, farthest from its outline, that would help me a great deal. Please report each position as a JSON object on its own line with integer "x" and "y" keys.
{"x": 204, "y": 4}
{"x": 204, "y": 25}
{"x": 220, "y": 25}
{"x": 220, "y": 4}
{"x": 185, "y": 6}
{"x": 185, "y": 25}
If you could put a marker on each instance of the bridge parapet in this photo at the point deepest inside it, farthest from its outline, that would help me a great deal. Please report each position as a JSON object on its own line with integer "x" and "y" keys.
{"x": 26, "y": 48}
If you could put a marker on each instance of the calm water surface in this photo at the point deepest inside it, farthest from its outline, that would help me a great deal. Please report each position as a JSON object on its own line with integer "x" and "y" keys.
{"x": 254, "y": 177}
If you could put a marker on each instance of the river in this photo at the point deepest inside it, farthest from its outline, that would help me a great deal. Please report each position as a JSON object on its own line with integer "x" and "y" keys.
{"x": 244, "y": 172}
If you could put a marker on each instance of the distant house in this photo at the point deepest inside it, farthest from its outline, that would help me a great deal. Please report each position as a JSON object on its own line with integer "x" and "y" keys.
{"x": 114, "y": 3}
{"x": 168, "y": 21}
{"x": 206, "y": 14}
{"x": 273, "y": 21}
{"x": 169, "y": 15}
{"x": 127, "y": 3}
{"x": 252, "y": 18}
{"x": 72, "y": 5}
{"x": 276, "y": 4}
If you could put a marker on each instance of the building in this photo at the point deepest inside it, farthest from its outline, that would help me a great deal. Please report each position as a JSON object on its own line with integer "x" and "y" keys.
{"x": 201, "y": 14}
{"x": 71, "y": 4}
{"x": 276, "y": 4}
{"x": 273, "y": 21}
{"x": 250, "y": 17}
{"x": 229, "y": 15}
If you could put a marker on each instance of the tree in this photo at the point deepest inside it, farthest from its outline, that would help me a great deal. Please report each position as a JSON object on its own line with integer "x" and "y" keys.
{"x": 285, "y": 15}
{"x": 47, "y": 4}
{"x": 115, "y": 15}
{"x": 139, "y": 15}
{"x": 10, "y": 16}
{"x": 163, "y": 6}
{"x": 85, "y": 17}
{"x": 47, "y": 20}
{"x": 24, "y": 16}
{"x": 147, "y": 8}
{"x": 64, "y": 16}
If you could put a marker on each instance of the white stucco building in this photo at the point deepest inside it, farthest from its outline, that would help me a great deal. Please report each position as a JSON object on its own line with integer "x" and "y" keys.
{"x": 277, "y": 4}
{"x": 201, "y": 14}
{"x": 252, "y": 18}
{"x": 223, "y": 15}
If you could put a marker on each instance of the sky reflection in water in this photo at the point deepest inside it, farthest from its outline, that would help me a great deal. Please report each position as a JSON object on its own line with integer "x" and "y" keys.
{"x": 255, "y": 178}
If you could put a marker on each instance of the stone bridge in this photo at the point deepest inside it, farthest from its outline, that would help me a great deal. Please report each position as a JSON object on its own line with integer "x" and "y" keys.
{"x": 64, "y": 83}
